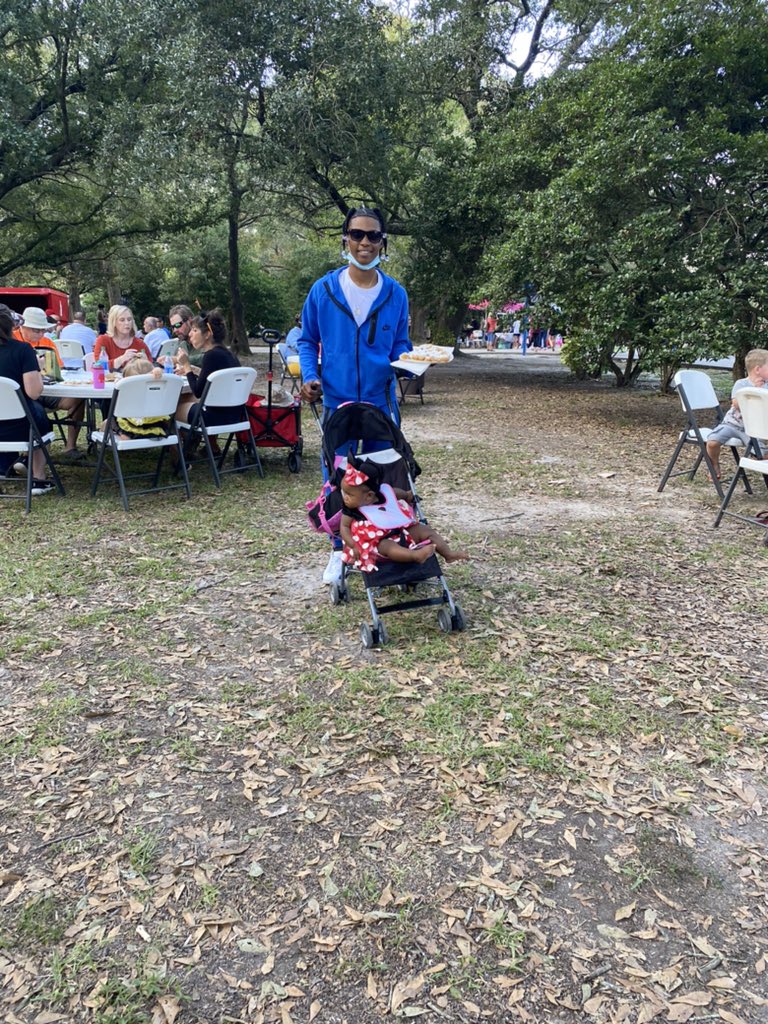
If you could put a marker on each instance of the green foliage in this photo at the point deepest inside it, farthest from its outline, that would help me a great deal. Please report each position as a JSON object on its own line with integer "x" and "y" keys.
{"x": 628, "y": 187}
{"x": 142, "y": 851}
{"x": 195, "y": 271}
{"x": 70, "y": 79}
{"x": 645, "y": 217}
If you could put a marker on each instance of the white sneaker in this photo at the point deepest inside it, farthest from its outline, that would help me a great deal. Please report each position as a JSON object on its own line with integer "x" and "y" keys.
{"x": 334, "y": 568}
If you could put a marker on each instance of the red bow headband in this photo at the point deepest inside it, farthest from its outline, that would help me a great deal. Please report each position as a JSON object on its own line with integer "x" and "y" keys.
{"x": 354, "y": 477}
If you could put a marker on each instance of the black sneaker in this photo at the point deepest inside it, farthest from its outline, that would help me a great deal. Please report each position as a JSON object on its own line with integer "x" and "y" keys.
{"x": 42, "y": 487}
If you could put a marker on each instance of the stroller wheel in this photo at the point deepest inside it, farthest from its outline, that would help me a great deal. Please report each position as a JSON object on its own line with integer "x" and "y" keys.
{"x": 366, "y": 636}
{"x": 444, "y": 620}
{"x": 339, "y": 594}
{"x": 458, "y": 620}
{"x": 383, "y": 635}
{"x": 294, "y": 462}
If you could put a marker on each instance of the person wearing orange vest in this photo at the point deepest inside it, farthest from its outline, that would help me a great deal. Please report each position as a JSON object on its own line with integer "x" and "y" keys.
{"x": 33, "y": 331}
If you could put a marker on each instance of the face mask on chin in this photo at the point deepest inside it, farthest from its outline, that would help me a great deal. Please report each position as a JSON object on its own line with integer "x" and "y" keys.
{"x": 361, "y": 266}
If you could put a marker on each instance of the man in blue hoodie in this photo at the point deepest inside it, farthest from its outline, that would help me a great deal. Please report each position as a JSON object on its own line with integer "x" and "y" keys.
{"x": 360, "y": 318}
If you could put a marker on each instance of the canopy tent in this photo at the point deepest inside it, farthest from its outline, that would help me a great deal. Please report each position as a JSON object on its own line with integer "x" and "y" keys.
{"x": 508, "y": 307}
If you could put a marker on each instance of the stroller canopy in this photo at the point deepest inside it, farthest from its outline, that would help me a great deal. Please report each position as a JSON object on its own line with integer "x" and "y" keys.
{"x": 359, "y": 422}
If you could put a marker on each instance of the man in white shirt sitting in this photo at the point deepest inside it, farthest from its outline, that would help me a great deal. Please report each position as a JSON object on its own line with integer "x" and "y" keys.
{"x": 154, "y": 335}
{"x": 79, "y": 331}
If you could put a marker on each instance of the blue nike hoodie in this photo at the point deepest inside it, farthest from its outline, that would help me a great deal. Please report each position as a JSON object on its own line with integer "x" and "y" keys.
{"x": 355, "y": 360}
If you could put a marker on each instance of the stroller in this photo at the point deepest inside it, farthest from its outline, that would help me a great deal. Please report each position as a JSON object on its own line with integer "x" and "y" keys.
{"x": 348, "y": 425}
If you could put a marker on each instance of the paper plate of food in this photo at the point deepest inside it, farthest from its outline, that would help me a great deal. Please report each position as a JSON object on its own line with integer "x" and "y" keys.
{"x": 423, "y": 356}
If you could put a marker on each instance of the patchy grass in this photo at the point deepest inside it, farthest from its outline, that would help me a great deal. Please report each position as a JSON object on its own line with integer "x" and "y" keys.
{"x": 218, "y": 806}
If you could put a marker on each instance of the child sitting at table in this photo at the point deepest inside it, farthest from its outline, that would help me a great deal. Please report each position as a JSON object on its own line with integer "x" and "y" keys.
{"x": 377, "y": 521}
{"x": 732, "y": 425}
{"x": 151, "y": 426}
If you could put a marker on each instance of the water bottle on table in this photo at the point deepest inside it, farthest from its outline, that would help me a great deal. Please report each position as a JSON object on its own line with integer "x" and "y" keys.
{"x": 99, "y": 371}
{"x": 168, "y": 364}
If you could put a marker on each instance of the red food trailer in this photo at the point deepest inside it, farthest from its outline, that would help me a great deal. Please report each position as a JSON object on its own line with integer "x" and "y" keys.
{"x": 46, "y": 298}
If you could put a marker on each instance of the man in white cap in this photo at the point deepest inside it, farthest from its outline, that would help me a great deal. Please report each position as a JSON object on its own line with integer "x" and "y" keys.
{"x": 33, "y": 330}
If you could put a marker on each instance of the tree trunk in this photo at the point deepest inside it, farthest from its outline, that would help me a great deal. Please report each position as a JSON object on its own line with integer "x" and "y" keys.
{"x": 114, "y": 295}
{"x": 748, "y": 317}
{"x": 667, "y": 372}
{"x": 633, "y": 366}
{"x": 444, "y": 326}
{"x": 418, "y": 327}
{"x": 239, "y": 339}
{"x": 73, "y": 288}
{"x": 455, "y": 321}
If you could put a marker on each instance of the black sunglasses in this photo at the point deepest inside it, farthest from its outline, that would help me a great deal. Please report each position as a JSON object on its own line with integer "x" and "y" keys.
{"x": 373, "y": 236}
{"x": 178, "y": 325}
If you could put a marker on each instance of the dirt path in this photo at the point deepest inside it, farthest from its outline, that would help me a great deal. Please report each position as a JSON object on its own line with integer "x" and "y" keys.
{"x": 217, "y": 807}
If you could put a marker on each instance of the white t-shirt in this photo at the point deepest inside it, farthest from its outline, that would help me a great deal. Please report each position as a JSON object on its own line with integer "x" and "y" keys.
{"x": 155, "y": 340}
{"x": 359, "y": 299}
{"x": 80, "y": 332}
{"x": 733, "y": 416}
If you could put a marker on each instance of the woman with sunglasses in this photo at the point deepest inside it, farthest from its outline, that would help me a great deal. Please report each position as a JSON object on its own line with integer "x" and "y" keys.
{"x": 359, "y": 317}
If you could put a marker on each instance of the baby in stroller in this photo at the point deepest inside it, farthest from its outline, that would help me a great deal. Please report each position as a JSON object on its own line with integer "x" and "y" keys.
{"x": 361, "y": 506}
{"x": 377, "y": 521}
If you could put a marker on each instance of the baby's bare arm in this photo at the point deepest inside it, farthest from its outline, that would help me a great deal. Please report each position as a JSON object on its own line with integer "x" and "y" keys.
{"x": 346, "y": 532}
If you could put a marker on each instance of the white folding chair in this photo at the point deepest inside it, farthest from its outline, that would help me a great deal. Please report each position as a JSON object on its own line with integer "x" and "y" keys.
{"x": 139, "y": 398}
{"x": 753, "y": 405}
{"x": 291, "y": 369}
{"x": 14, "y": 406}
{"x": 168, "y": 348}
{"x": 72, "y": 354}
{"x": 696, "y": 394}
{"x": 225, "y": 389}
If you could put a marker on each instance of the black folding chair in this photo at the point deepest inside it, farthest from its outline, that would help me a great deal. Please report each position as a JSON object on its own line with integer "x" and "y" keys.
{"x": 410, "y": 384}
{"x": 696, "y": 393}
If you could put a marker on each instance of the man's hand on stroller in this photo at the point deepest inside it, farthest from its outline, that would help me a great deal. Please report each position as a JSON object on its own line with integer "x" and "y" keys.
{"x": 311, "y": 391}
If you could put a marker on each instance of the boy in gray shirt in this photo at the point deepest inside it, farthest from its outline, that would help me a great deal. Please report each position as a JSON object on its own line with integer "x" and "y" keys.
{"x": 732, "y": 425}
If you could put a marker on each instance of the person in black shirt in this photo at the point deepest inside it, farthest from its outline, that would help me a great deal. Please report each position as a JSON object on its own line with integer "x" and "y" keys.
{"x": 207, "y": 334}
{"x": 18, "y": 361}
